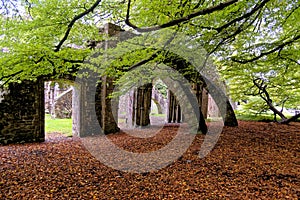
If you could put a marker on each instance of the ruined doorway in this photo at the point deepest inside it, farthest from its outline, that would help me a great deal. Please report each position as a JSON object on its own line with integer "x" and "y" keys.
{"x": 58, "y": 107}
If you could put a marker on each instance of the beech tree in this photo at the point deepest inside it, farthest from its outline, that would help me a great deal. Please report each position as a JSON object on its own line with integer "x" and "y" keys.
{"x": 268, "y": 65}
{"x": 245, "y": 37}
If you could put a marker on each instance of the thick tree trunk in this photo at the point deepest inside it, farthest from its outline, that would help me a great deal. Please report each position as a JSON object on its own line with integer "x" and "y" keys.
{"x": 202, "y": 125}
{"x": 220, "y": 98}
{"x": 202, "y": 98}
{"x": 182, "y": 66}
{"x": 230, "y": 118}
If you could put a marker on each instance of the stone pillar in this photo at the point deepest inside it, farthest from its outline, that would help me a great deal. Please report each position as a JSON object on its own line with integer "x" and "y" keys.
{"x": 95, "y": 112}
{"x": 174, "y": 113}
{"x": 76, "y": 99}
{"x": 142, "y": 105}
{"x": 22, "y": 113}
{"x": 90, "y": 99}
{"x": 109, "y": 107}
{"x": 108, "y": 117}
{"x": 84, "y": 103}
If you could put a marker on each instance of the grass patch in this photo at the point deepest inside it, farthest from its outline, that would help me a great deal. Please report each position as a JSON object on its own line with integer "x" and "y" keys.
{"x": 158, "y": 115}
{"x": 63, "y": 126}
{"x": 254, "y": 117}
{"x": 249, "y": 116}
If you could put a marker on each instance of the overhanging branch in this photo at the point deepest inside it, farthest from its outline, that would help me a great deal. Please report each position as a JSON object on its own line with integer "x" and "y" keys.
{"x": 275, "y": 49}
{"x": 9, "y": 77}
{"x": 247, "y": 15}
{"x": 174, "y": 22}
{"x": 73, "y": 21}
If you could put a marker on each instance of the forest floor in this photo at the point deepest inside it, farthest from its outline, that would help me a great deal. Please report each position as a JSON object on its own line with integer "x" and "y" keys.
{"x": 256, "y": 160}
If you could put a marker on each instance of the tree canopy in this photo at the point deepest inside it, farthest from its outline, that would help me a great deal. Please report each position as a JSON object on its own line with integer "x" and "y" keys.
{"x": 248, "y": 39}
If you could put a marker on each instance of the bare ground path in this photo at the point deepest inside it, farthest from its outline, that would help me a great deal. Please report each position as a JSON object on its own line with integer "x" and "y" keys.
{"x": 253, "y": 161}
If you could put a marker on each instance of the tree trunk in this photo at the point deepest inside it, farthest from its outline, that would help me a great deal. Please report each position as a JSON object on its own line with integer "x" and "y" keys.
{"x": 220, "y": 98}
{"x": 230, "y": 118}
{"x": 275, "y": 111}
{"x": 202, "y": 125}
{"x": 294, "y": 118}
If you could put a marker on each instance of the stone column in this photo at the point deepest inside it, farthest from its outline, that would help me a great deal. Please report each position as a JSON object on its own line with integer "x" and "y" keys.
{"x": 76, "y": 98}
{"x": 142, "y": 105}
{"x": 174, "y": 112}
{"x": 109, "y": 107}
{"x": 85, "y": 105}
{"x": 95, "y": 112}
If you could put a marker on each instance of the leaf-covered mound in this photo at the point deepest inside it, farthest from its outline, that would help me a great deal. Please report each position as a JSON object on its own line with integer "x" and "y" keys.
{"x": 253, "y": 161}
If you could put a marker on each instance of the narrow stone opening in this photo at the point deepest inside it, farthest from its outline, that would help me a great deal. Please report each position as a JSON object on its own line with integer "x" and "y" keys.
{"x": 58, "y": 107}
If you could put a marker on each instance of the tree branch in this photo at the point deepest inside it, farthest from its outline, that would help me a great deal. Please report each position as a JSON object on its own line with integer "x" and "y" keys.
{"x": 283, "y": 102}
{"x": 73, "y": 21}
{"x": 238, "y": 31}
{"x": 288, "y": 16}
{"x": 29, "y": 8}
{"x": 290, "y": 59}
{"x": 199, "y": 4}
{"x": 247, "y": 15}
{"x": 174, "y": 22}
{"x": 267, "y": 99}
{"x": 277, "y": 48}
{"x": 286, "y": 121}
{"x": 154, "y": 55}
{"x": 9, "y": 78}
{"x": 142, "y": 62}
{"x": 11, "y": 75}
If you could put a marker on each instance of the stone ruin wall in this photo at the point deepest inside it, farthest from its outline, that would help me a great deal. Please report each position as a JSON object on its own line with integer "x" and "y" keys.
{"x": 22, "y": 113}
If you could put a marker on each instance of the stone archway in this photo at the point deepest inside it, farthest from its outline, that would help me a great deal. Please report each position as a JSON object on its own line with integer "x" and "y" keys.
{"x": 22, "y": 117}
{"x": 141, "y": 100}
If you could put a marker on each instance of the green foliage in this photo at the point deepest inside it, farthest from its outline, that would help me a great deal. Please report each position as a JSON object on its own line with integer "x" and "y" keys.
{"x": 31, "y": 40}
{"x": 281, "y": 79}
{"x": 162, "y": 88}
